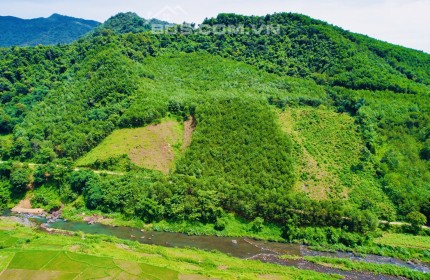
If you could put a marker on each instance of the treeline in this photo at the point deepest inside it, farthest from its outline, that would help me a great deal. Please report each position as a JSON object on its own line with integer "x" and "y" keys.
{"x": 149, "y": 196}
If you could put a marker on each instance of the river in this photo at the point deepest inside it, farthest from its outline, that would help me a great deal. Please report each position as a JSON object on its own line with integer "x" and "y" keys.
{"x": 244, "y": 248}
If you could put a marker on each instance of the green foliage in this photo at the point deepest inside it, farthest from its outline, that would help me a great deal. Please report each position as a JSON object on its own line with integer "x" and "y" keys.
{"x": 126, "y": 194}
{"x": 19, "y": 180}
{"x": 417, "y": 220}
{"x": 387, "y": 269}
{"x": 303, "y": 47}
{"x": 240, "y": 140}
{"x": 46, "y": 198}
{"x": 123, "y": 23}
{"x": 257, "y": 224}
{"x": 79, "y": 180}
{"x": 4, "y": 194}
{"x": 362, "y": 106}
{"x": 5, "y": 170}
{"x": 324, "y": 236}
{"x": 220, "y": 224}
{"x": 149, "y": 210}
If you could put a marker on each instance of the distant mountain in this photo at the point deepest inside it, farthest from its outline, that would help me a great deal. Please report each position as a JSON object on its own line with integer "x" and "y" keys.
{"x": 131, "y": 23}
{"x": 46, "y": 31}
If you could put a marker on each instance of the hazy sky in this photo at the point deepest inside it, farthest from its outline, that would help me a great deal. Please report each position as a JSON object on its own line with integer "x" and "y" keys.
{"x": 403, "y": 22}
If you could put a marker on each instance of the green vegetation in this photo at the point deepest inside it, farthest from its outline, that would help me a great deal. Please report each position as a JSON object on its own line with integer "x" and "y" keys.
{"x": 309, "y": 48}
{"x": 332, "y": 158}
{"x": 402, "y": 240}
{"x": 377, "y": 247}
{"x": 314, "y": 132}
{"x": 388, "y": 269}
{"x": 30, "y": 254}
{"x": 123, "y": 23}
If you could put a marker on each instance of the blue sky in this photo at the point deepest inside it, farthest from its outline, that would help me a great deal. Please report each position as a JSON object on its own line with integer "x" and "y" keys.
{"x": 403, "y": 22}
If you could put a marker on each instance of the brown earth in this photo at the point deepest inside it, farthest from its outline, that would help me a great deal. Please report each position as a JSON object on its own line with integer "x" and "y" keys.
{"x": 189, "y": 127}
{"x": 158, "y": 153}
{"x": 24, "y": 207}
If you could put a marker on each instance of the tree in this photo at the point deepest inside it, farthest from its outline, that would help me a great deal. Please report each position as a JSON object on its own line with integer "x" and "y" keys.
{"x": 425, "y": 152}
{"x": 417, "y": 220}
{"x": 4, "y": 194}
{"x": 20, "y": 179}
{"x": 149, "y": 210}
{"x": 5, "y": 170}
{"x": 79, "y": 179}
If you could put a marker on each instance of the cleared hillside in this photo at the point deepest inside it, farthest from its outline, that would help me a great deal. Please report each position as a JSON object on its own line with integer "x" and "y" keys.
{"x": 152, "y": 147}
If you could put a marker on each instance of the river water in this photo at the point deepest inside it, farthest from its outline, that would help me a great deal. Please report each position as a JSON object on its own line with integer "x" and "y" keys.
{"x": 244, "y": 248}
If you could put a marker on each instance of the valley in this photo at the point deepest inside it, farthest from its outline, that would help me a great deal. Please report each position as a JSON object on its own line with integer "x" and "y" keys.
{"x": 315, "y": 137}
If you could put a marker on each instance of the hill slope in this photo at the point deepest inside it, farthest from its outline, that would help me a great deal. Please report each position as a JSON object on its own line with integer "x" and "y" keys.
{"x": 343, "y": 114}
{"x": 56, "y": 29}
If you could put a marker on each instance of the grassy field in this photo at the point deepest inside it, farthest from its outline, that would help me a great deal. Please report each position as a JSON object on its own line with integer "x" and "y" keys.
{"x": 30, "y": 254}
{"x": 404, "y": 240}
{"x": 346, "y": 264}
{"x": 152, "y": 147}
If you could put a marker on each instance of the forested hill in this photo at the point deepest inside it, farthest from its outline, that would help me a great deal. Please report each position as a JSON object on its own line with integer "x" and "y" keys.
{"x": 314, "y": 49}
{"x": 129, "y": 22}
{"x": 311, "y": 126}
{"x": 56, "y": 29}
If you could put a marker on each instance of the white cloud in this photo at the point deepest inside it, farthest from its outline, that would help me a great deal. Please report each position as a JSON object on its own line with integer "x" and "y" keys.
{"x": 404, "y": 22}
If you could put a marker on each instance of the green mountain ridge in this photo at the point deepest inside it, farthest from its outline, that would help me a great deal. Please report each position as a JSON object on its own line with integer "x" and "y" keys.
{"x": 314, "y": 126}
{"x": 130, "y": 23}
{"x": 56, "y": 29}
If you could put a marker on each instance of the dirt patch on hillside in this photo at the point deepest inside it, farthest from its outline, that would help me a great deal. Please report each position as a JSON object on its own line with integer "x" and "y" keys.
{"x": 24, "y": 207}
{"x": 156, "y": 151}
{"x": 152, "y": 147}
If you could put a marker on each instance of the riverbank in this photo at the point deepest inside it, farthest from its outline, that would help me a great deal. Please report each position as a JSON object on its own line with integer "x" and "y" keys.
{"x": 245, "y": 249}
{"x": 50, "y": 256}
{"x": 280, "y": 253}
{"x": 233, "y": 226}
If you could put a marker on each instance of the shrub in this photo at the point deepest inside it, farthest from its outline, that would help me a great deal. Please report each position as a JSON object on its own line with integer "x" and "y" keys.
{"x": 220, "y": 224}
{"x": 417, "y": 220}
{"x": 257, "y": 224}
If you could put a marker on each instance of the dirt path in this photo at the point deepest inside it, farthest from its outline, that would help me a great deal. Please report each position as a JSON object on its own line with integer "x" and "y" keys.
{"x": 189, "y": 127}
{"x": 101, "y": 171}
{"x": 399, "y": 224}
